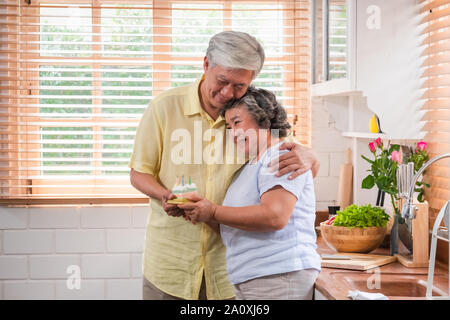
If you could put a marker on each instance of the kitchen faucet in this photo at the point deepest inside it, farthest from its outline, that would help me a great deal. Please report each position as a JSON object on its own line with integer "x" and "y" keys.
{"x": 409, "y": 210}
{"x": 443, "y": 233}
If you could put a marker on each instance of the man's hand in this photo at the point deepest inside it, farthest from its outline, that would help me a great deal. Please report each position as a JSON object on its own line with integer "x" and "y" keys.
{"x": 170, "y": 209}
{"x": 299, "y": 160}
{"x": 148, "y": 185}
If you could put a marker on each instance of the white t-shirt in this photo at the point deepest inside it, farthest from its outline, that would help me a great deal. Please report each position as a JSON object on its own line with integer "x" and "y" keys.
{"x": 252, "y": 255}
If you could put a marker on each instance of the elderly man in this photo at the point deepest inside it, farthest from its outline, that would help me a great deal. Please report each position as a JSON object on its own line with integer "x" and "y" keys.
{"x": 182, "y": 260}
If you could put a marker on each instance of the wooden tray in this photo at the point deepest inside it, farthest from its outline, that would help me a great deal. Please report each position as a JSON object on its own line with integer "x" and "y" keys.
{"x": 358, "y": 261}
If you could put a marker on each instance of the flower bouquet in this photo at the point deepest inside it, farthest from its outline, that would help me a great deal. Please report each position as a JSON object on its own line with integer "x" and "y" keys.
{"x": 383, "y": 170}
{"x": 383, "y": 174}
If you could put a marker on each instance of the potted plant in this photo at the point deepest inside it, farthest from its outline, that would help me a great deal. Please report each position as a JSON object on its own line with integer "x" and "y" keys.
{"x": 383, "y": 170}
{"x": 383, "y": 174}
{"x": 355, "y": 229}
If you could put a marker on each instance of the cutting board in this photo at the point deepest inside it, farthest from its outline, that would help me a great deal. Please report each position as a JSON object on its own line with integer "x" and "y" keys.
{"x": 344, "y": 198}
{"x": 359, "y": 261}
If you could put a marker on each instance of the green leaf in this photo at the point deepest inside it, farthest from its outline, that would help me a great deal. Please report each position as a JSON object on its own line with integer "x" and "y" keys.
{"x": 393, "y": 147}
{"x": 420, "y": 196}
{"x": 368, "y": 182}
{"x": 421, "y": 183}
{"x": 367, "y": 159}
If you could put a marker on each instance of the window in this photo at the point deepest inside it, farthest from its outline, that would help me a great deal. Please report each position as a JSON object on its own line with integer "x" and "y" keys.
{"x": 436, "y": 76}
{"x": 337, "y": 39}
{"x": 76, "y": 77}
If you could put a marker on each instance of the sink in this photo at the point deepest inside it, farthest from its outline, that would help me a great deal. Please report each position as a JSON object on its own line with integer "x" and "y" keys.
{"x": 392, "y": 285}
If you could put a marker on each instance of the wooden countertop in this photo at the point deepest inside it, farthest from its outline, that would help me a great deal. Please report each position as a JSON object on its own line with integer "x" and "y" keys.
{"x": 334, "y": 289}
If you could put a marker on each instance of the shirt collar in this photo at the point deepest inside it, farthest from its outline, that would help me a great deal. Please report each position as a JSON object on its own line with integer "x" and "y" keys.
{"x": 193, "y": 106}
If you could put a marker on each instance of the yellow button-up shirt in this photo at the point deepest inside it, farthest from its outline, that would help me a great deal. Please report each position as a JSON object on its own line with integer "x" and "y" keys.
{"x": 176, "y": 138}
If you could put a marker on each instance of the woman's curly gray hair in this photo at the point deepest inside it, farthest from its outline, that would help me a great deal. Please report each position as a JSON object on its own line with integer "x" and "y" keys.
{"x": 264, "y": 108}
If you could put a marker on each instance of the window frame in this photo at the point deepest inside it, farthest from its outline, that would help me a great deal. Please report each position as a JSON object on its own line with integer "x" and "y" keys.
{"x": 161, "y": 80}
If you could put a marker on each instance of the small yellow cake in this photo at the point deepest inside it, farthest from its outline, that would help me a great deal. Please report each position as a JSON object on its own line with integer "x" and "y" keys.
{"x": 181, "y": 190}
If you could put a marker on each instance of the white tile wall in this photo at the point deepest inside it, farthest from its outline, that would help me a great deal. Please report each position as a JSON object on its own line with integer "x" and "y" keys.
{"x": 80, "y": 241}
{"x": 336, "y": 159}
{"x": 89, "y": 290}
{"x": 13, "y": 267}
{"x": 324, "y": 158}
{"x": 326, "y": 188}
{"x": 125, "y": 240}
{"x": 140, "y": 215}
{"x": 330, "y": 147}
{"x": 103, "y": 266}
{"x": 28, "y": 241}
{"x": 120, "y": 289}
{"x": 53, "y": 218}
{"x": 328, "y": 140}
{"x": 51, "y": 266}
{"x": 37, "y": 245}
{"x": 13, "y": 218}
{"x": 106, "y": 217}
{"x": 136, "y": 265}
{"x": 29, "y": 290}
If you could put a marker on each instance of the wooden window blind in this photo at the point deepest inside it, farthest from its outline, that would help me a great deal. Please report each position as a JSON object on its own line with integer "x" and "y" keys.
{"x": 436, "y": 86}
{"x": 76, "y": 77}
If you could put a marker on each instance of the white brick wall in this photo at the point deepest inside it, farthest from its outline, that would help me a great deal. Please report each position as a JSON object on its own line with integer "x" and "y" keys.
{"x": 89, "y": 290}
{"x": 330, "y": 147}
{"x": 119, "y": 289}
{"x": 13, "y": 218}
{"x": 125, "y": 240}
{"x": 106, "y": 217}
{"x": 28, "y": 241}
{"x": 51, "y": 266}
{"x": 103, "y": 266}
{"x": 37, "y": 245}
{"x": 80, "y": 241}
{"x": 136, "y": 265}
{"x": 324, "y": 159}
{"x": 29, "y": 290}
{"x": 13, "y": 267}
{"x": 53, "y": 218}
{"x": 140, "y": 215}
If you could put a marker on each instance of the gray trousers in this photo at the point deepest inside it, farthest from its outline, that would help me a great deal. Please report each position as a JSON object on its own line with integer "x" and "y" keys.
{"x": 296, "y": 285}
{"x": 150, "y": 292}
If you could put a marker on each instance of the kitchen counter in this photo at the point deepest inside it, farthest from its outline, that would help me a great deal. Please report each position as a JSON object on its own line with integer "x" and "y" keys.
{"x": 394, "y": 280}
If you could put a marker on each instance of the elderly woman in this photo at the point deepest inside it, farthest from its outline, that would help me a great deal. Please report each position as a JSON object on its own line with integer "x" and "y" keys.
{"x": 266, "y": 222}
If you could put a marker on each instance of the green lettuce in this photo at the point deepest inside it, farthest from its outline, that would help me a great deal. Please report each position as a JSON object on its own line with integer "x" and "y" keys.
{"x": 355, "y": 216}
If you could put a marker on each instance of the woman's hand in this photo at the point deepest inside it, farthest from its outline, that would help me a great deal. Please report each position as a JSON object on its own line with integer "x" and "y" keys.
{"x": 201, "y": 210}
{"x": 299, "y": 160}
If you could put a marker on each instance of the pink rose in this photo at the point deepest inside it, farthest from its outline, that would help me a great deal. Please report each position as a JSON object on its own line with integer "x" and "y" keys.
{"x": 395, "y": 156}
{"x": 372, "y": 146}
{"x": 379, "y": 142}
{"x": 421, "y": 145}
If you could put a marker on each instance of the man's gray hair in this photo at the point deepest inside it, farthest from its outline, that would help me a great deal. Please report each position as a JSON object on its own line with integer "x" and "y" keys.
{"x": 236, "y": 50}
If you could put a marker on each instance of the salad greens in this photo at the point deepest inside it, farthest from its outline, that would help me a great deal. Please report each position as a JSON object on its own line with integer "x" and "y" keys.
{"x": 361, "y": 216}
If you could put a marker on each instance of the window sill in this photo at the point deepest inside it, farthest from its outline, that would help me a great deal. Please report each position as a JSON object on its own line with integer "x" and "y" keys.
{"x": 21, "y": 202}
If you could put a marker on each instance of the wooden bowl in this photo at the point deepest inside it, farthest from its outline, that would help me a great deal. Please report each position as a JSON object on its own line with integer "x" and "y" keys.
{"x": 343, "y": 239}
